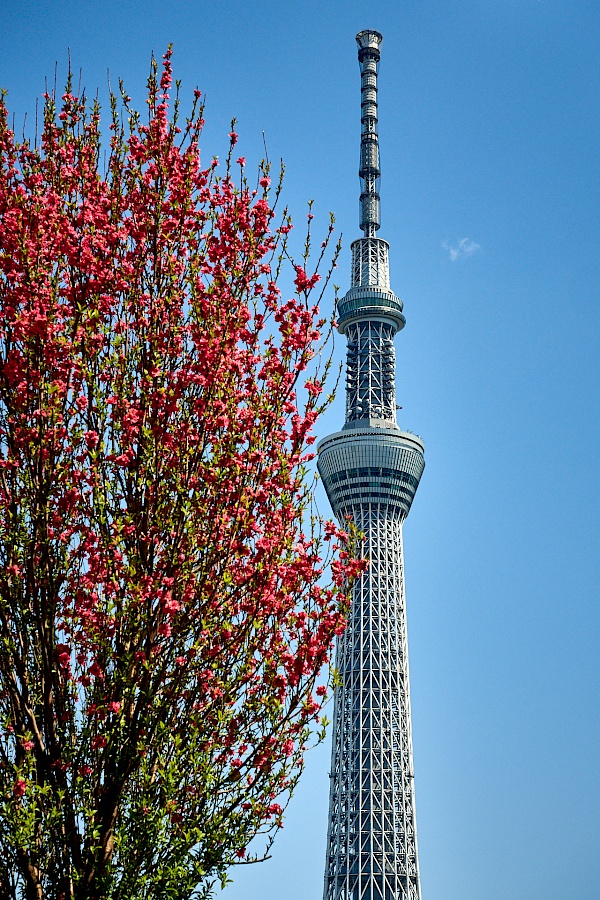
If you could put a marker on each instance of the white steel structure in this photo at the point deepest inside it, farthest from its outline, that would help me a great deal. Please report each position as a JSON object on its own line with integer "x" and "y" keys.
{"x": 371, "y": 470}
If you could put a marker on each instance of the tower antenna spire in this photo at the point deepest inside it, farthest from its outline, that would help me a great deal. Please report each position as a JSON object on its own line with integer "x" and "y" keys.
{"x": 369, "y": 43}
{"x": 371, "y": 470}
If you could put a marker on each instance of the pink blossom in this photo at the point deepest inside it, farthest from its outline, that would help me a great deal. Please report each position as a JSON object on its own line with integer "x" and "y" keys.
{"x": 303, "y": 282}
{"x": 19, "y": 787}
{"x": 96, "y": 670}
{"x": 64, "y": 655}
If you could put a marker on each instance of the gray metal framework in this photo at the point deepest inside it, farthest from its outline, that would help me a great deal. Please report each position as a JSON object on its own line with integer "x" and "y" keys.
{"x": 371, "y": 470}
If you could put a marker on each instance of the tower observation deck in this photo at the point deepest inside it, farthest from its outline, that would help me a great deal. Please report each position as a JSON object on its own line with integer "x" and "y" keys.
{"x": 371, "y": 470}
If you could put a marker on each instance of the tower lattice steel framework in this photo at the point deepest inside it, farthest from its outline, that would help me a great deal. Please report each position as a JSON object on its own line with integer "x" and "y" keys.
{"x": 371, "y": 470}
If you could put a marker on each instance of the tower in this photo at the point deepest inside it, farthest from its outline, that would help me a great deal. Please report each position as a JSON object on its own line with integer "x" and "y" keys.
{"x": 371, "y": 470}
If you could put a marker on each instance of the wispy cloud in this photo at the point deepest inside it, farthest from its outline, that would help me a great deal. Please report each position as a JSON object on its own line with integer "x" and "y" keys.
{"x": 461, "y": 249}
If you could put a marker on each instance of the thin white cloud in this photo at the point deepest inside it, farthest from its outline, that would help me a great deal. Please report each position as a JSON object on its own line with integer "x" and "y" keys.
{"x": 461, "y": 249}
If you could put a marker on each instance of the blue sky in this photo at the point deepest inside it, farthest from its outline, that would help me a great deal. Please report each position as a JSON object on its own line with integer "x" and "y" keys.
{"x": 489, "y": 127}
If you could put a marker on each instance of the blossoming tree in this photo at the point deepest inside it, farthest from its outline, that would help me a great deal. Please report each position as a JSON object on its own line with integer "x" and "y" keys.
{"x": 162, "y": 605}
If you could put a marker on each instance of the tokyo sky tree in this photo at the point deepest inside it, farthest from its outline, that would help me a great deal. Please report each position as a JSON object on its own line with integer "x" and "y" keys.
{"x": 371, "y": 470}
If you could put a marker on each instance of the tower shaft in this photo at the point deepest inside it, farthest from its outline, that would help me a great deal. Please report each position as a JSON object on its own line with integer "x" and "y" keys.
{"x": 371, "y": 470}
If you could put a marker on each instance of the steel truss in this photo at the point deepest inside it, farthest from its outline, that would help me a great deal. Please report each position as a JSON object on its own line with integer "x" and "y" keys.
{"x": 370, "y": 371}
{"x": 372, "y": 840}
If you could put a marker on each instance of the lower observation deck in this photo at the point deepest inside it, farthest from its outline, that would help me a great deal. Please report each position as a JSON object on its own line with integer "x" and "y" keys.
{"x": 371, "y": 464}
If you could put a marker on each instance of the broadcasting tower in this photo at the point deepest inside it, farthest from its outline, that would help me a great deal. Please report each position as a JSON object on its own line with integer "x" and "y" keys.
{"x": 371, "y": 470}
